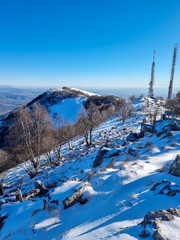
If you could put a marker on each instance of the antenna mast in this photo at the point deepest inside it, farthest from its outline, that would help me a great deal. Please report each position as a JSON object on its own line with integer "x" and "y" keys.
{"x": 172, "y": 71}
{"x": 151, "y": 84}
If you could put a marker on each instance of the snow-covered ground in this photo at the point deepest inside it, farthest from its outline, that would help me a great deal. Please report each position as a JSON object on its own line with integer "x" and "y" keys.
{"x": 120, "y": 194}
{"x": 69, "y": 109}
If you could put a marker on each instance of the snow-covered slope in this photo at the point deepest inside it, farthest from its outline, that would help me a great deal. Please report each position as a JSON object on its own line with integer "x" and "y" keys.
{"x": 64, "y": 103}
{"x": 68, "y": 108}
{"x": 122, "y": 190}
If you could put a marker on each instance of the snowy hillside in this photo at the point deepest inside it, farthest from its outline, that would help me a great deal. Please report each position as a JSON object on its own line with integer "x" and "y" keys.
{"x": 114, "y": 197}
{"x": 64, "y": 103}
{"x": 68, "y": 108}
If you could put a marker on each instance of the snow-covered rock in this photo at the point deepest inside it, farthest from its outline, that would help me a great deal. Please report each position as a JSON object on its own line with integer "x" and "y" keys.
{"x": 175, "y": 166}
{"x": 99, "y": 158}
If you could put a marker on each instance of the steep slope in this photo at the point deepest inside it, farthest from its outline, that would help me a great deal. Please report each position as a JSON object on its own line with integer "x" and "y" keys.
{"x": 132, "y": 180}
{"x": 65, "y": 102}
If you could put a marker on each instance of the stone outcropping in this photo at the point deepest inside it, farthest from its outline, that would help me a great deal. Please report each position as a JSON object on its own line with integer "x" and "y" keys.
{"x": 76, "y": 197}
{"x": 175, "y": 167}
{"x": 165, "y": 187}
{"x": 39, "y": 185}
{"x": 99, "y": 158}
{"x": 156, "y": 217}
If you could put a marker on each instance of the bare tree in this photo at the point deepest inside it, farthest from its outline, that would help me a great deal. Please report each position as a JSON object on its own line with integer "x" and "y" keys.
{"x": 94, "y": 118}
{"x": 28, "y": 135}
{"x": 126, "y": 111}
{"x": 87, "y": 121}
{"x": 82, "y": 125}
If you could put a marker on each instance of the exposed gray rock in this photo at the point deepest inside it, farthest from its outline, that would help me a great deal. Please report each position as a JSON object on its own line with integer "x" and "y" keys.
{"x": 174, "y": 126}
{"x": 175, "y": 167}
{"x": 99, "y": 158}
{"x": 157, "y": 184}
{"x": 76, "y": 197}
{"x": 157, "y": 235}
{"x": 147, "y": 128}
{"x": 33, "y": 193}
{"x": 39, "y": 185}
{"x": 166, "y": 188}
{"x": 174, "y": 211}
{"x": 154, "y": 218}
{"x": 159, "y": 215}
{"x": 165, "y": 132}
{"x": 132, "y": 137}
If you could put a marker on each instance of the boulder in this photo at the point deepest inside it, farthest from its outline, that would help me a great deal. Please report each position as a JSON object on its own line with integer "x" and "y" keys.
{"x": 157, "y": 235}
{"x": 39, "y": 185}
{"x": 132, "y": 137}
{"x": 76, "y": 197}
{"x": 166, "y": 188}
{"x": 175, "y": 166}
{"x": 155, "y": 217}
{"x": 147, "y": 128}
{"x": 165, "y": 131}
{"x": 33, "y": 193}
{"x": 174, "y": 126}
{"x": 99, "y": 158}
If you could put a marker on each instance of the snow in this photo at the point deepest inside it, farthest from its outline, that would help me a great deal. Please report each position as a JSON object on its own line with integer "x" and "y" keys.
{"x": 69, "y": 109}
{"x": 119, "y": 196}
{"x": 46, "y": 223}
{"x": 85, "y": 92}
{"x": 171, "y": 230}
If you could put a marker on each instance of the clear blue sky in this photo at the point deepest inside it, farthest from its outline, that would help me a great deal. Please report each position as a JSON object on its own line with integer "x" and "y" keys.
{"x": 88, "y": 43}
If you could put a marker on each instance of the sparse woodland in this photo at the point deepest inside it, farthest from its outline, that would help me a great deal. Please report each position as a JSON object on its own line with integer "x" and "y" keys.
{"x": 33, "y": 133}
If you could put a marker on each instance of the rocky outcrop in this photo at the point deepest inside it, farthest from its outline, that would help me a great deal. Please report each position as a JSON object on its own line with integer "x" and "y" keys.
{"x": 174, "y": 126}
{"x": 76, "y": 197}
{"x": 42, "y": 189}
{"x": 157, "y": 235}
{"x": 33, "y": 193}
{"x": 99, "y": 158}
{"x": 175, "y": 167}
{"x": 132, "y": 137}
{"x": 166, "y": 188}
{"x": 147, "y": 128}
{"x": 156, "y": 217}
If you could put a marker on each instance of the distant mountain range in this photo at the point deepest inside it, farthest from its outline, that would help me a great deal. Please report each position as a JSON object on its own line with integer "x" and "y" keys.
{"x": 11, "y": 97}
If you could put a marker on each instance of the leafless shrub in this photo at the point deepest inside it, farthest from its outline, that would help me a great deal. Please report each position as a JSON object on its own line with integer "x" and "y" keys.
{"x": 125, "y": 112}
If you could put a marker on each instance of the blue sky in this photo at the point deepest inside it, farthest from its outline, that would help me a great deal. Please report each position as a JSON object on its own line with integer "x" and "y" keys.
{"x": 88, "y": 43}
